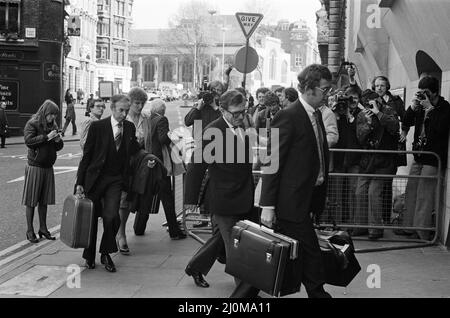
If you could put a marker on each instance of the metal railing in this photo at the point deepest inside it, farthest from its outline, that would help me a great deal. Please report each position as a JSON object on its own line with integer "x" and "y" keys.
{"x": 352, "y": 208}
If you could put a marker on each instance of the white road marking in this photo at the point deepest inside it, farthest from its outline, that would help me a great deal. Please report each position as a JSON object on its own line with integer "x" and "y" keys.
{"x": 63, "y": 170}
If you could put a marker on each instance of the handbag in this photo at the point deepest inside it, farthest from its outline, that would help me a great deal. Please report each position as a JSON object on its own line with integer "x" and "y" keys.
{"x": 338, "y": 253}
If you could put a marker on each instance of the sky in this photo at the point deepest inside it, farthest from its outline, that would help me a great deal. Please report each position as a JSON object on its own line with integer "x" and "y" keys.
{"x": 149, "y": 14}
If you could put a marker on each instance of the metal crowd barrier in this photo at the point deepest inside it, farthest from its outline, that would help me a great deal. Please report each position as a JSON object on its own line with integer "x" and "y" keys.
{"x": 346, "y": 209}
{"x": 352, "y": 203}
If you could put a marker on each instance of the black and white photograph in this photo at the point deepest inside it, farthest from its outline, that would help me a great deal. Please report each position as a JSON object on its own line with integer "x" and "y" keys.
{"x": 226, "y": 157}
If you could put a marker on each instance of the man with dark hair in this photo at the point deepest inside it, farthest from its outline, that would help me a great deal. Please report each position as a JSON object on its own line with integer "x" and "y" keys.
{"x": 430, "y": 114}
{"x": 89, "y": 104}
{"x": 260, "y": 92}
{"x": 377, "y": 128}
{"x": 228, "y": 178}
{"x": 298, "y": 189}
{"x": 288, "y": 95}
{"x": 102, "y": 174}
{"x": 96, "y": 109}
{"x": 278, "y": 91}
{"x": 272, "y": 103}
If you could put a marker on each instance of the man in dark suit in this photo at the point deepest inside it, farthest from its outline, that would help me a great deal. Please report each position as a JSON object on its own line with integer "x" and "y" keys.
{"x": 231, "y": 186}
{"x": 159, "y": 139}
{"x": 102, "y": 174}
{"x": 298, "y": 189}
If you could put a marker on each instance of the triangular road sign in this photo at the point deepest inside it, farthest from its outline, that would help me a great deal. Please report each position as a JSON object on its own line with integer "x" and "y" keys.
{"x": 248, "y": 22}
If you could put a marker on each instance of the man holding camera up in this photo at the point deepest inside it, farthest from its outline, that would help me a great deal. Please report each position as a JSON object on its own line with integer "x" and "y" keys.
{"x": 377, "y": 128}
{"x": 430, "y": 114}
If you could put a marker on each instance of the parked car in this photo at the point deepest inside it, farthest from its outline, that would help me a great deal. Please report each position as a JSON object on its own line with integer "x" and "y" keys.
{"x": 152, "y": 96}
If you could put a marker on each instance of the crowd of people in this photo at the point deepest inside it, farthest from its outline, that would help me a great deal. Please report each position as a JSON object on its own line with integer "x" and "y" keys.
{"x": 126, "y": 165}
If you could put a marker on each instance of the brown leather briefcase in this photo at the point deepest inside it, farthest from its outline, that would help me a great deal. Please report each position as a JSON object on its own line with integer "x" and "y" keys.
{"x": 77, "y": 222}
{"x": 258, "y": 256}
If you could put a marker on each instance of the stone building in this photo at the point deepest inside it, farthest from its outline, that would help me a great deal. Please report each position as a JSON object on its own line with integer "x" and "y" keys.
{"x": 80, "y": 64}
{"x": 31, "y": 36}
{"x": 113, "y": 28}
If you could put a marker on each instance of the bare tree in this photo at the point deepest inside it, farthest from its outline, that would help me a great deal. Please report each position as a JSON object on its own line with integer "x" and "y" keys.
{"x": 190, "y": 34}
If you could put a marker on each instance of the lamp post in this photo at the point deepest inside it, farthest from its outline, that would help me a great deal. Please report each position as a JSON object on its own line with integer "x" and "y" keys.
{"x": 211, "y": 12}
{"x": 195, "y": 64}
{"x": 223, "y": 48}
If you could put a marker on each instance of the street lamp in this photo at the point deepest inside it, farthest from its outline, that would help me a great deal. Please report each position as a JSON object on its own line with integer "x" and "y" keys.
{"x": 223, "y": 48}
{"x": 195, "y": 64}
{"x": 211, "y": 12}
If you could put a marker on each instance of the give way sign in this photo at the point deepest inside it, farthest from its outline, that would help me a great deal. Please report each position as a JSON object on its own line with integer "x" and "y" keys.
{"x": 248, "y": 22}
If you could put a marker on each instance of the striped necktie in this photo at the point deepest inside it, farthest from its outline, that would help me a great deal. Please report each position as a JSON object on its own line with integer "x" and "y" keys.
{"x": 118, "y": 136}
{"x": 320, "y": 141}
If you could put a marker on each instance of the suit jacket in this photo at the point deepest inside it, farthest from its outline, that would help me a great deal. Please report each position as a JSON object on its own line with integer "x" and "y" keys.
{"x": 231, "y": 186}
{"x": 159, "y": 129}
{"x": 100, "y": 138}
{"x": 291, "y": 189}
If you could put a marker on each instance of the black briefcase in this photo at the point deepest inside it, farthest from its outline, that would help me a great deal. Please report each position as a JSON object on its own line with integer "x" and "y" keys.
{"x": 258, "y": 256}
{"x": 338, "y": 253}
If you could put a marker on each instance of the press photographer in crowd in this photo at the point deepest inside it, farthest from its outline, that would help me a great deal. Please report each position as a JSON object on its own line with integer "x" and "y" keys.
{"x": 377, "y": 128}
{"x": 430, "y": 114}
{"x": 341, "y": 194}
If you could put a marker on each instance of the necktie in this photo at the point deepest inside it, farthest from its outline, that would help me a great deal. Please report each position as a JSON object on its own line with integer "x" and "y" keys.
{"x": 320, "y": 141}
{"x": 118, "y": 136}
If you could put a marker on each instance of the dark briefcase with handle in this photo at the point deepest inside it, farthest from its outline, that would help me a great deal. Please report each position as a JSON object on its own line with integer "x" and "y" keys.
{"x": 76, "y": 222}
{"x": 258, "y": 256}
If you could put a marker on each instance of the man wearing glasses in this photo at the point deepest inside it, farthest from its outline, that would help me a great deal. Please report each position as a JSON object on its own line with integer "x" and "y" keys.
{"x": 231, "y": 180}
{"x": 297, "y": 191}
{"x": 95, "y": 113}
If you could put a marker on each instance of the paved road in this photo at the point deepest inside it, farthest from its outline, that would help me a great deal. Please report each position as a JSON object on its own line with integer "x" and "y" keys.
{"x": 12, "y": 163}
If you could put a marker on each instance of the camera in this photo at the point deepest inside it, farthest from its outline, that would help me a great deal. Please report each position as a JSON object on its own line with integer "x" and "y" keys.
{"x": 420, "y": 96}
{"x": 207, "y": 96}
{"x": 420, "y": 144}
{"x": 340, "y": 102}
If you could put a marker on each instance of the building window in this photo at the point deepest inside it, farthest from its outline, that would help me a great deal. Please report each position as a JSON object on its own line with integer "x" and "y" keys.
{"x": 120, "y": 27}
{"x": 103, "y": 27}
{"x": 134, "y": 70}
{"x": 284, "y": 69}
{"x": 285, "y": 27}
{"x": 115, "y": 58}
{"x": 298, "y": 60}
{"x": 272, "y": 65}
{"x": 9, "y": 18}
{"x": 149, "y": 71}
{"x": 104, "y": 53}
{"x": 121, "y": 57}
{"x": 120, "y": 7}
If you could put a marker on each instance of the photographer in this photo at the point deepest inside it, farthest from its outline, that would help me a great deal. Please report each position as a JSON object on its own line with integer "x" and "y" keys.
{"x": 377, "y": 128}
{"x": 430, "y": 114}
{"x": 345, "y": 104}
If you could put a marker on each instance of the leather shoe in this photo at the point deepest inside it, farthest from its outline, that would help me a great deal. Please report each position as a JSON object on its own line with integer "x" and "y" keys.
{"x": 106, "y": 260}
{"x": 123, "y": 248}
{"x": 179, "y": 236}
{"x": 198, "y": 277}
{"x": 90, "y": 264}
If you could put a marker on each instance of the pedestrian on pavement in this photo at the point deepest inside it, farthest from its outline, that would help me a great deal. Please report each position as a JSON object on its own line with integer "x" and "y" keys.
{"x": 70, "y": 113}
{"x": 89, "y": 104}
{"x": 260, "y": 92}
{"x": 230, "y": 182}
{"x": 298, "y": 189}
{"x": 3, "y": 124}
{"x": 103, "y": 173}
{"x": 43, "y": 141}
{"x": 159, "y": 140}
{"x": 95, "y": 113}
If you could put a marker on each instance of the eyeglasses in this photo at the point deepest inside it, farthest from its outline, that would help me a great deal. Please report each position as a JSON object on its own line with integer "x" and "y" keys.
{"x": 236, "y": 114}
{"x": 325, "y": 90}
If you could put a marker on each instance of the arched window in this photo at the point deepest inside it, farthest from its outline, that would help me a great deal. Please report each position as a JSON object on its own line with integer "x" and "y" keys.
{"x": 149, "y": 71}
{"x": 284, "y": 70}
{"x": 272, "y": 65}
{"x": 187, "y": 71}
{"x": 167, "y": 71}
{"x": 134, "y": 70}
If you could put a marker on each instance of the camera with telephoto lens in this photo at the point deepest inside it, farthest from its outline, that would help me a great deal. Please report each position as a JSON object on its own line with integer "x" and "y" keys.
{"x": 340, "y": 102}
